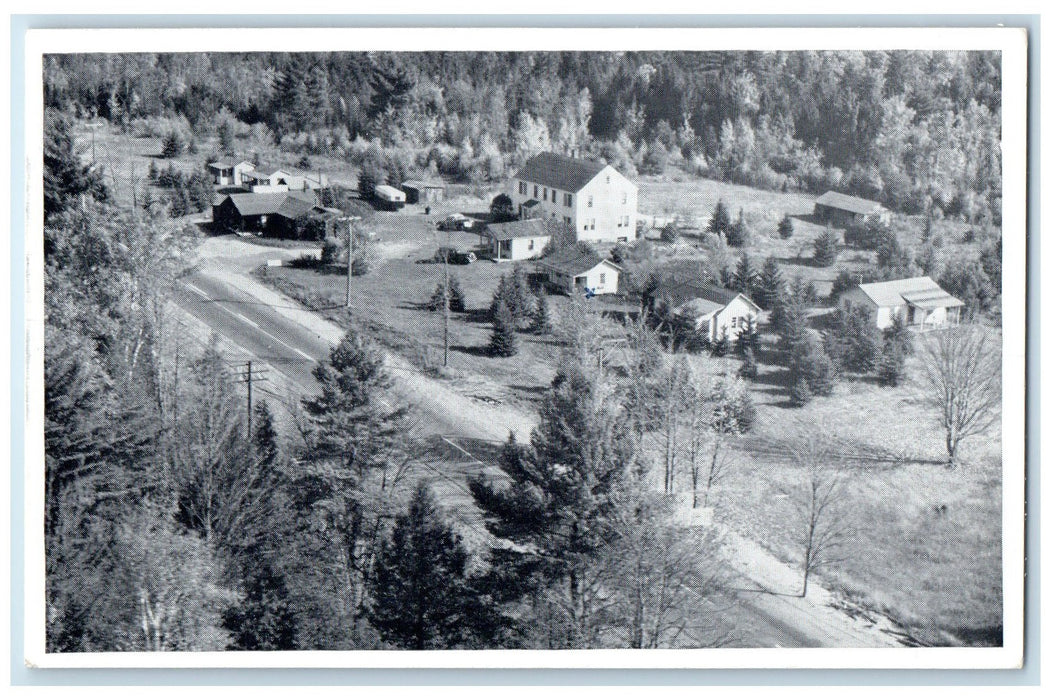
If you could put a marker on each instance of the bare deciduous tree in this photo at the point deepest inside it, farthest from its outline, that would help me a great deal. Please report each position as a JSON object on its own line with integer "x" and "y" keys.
{"x": 818, "y": 502}
{"x": 961, "y": 379}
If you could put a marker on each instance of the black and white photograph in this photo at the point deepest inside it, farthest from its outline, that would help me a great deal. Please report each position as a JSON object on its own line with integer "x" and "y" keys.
{"x": 487, "y": 341}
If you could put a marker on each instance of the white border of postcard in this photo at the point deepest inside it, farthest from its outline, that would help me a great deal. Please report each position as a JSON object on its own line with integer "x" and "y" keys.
{"x": 1010, "y": 41}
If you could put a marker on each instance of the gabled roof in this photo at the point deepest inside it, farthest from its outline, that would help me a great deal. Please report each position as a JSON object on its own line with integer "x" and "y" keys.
{"x": 681, "y": 292}
{"x": 922, "y": 292}
{"x": 293, "y": 207}
{"x": 571, "y": 261}
{"x": 560, "y": 172}
{"x": 220, "y": 165}
{"x": 421, "y": 185}
{"x": 846, "y": 202}
{"x": 257, "y": 203}
{"x": 530, "y": 228}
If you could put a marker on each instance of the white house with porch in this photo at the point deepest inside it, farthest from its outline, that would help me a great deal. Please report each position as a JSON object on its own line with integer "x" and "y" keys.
{"x": 573, "y": 271}
{"x": 517, "y": 240}
{"x": 594, "y": 200}
{"x": 919, "y": 301}
{"x": 710, "y": 310}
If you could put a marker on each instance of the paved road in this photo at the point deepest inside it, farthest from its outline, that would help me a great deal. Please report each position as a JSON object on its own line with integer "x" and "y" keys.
{"x": 267, "y": 334}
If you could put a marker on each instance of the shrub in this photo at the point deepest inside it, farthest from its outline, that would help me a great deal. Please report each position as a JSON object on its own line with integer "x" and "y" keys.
{"x": 844, "y": 281}
{"x": 800, "y": 394}
{"x": 720, "y": 346}
{"x": 749, "y": 368}
{"x": 670, "y": 232}
{"x": 331, "y": 250}
{"x": 502, "y": 209}
{"x": 826, "y": 248}
{"x": 785, "y": 227}
{"x": 733, "y": 410}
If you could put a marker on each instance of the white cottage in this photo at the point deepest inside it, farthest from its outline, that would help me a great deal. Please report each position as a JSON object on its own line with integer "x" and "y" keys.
{"x": 595, "y": 201}
{"x": 573, "y": 271}
{"x": 919, "y": 301}
{"x": 710, "y": 310}
{"x": 517, "y": 240}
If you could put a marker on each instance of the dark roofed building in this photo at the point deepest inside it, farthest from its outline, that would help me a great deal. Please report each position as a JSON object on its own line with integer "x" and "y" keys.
{"x": 274, "y": 213}
{"x": 560, "y": 172}
{"x": 708, "y": 309}
{"x": 841, "y": 209}
{"x": 517, "y": 240}
{"x": 572, "y": 271}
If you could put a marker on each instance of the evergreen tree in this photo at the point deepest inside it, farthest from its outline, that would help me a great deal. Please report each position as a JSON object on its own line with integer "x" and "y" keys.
{"x": 800, "y": 394}
{"x": 503, "y": 342}
{"x": 826, "y": 248}
{"x": 746, "y": 277}
{"x": 721, "y": 345}
{"x": 557, "y": 505}
{"x": 174, "y": 144}
{"x": 785, "y": 227}
{"x": 891, "y": 368}
{"x": 225, "y": 132}
{"x": 898, "y": 332}
{"x": 853, "y": 341}
{"x": 421, "y": 595}
{"x": 809, "y": 362}
{"x": 65, "y": 178}
{"x": 771, "y": 285}
{"x": 737, "y": 233}
{"x": 264, "y": 620}
{"x": 748, "y": 337}
{"x": 541, "y": 315}
{"x": 720, "y": 220}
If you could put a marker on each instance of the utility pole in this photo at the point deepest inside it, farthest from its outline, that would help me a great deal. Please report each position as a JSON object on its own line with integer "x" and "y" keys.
{"x": 348, "y": 220}
{"x": 248, "y": 375}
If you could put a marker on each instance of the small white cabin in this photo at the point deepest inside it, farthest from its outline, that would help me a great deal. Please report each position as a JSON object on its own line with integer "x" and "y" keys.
{"x": 390, "y": 197}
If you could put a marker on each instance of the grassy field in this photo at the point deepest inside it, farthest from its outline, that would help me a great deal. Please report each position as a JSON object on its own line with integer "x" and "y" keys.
{"x": 937, "y": 571}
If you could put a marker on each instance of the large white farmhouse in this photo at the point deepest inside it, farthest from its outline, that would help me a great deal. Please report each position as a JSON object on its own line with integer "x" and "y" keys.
{"x": 593, "y": 199}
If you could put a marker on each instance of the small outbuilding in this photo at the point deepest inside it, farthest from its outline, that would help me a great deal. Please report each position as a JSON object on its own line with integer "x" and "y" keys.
{"x": 573, "y": 271}
{"x": 707, "y": 309}
{"x": 918, "y": 301}
{"x": 390, "y": 198}
{"x": 420, "y": 192}
{"x": 517, "y": 240}
{"x": 227, "y": 173}
{"x": 842, "y": 210}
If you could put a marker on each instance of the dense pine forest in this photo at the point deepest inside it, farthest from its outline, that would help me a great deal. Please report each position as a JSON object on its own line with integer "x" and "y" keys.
{"x": 916, "y": 130}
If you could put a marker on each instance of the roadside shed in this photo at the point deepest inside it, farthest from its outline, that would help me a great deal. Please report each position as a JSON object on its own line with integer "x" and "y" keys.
{"x": 420, "y": 192}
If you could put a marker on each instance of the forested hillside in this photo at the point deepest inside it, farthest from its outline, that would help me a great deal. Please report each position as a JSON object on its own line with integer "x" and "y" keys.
{"x": 913, "y": 129}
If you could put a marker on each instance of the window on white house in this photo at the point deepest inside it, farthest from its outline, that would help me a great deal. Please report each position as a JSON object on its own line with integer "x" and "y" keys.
{"x": 530, "y": 244}
{"x": 607, "y": 179}
{"x": 545, "y": 194}
{"x": 536, "y": 191}
{"x": 602, "y": 278}
{"x": 568, "y": 220}
{"x": 733, "y": 322}
{"x": 554, "y": 197}
{"x": 521, "y": 188}
{"x": 623, "y": 197}
{"x": 567, "y": 199}
{"x": 591, "y": 200}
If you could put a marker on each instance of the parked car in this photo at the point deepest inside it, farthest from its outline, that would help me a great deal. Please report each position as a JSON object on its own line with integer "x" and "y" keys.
{"x": 456, "y": 257}
{"x": 454, "y": 222}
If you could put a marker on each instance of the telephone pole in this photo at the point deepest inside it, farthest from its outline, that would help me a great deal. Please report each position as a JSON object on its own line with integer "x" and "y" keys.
{"x": 348, "y": 220}
{"x": 248, "y": 375}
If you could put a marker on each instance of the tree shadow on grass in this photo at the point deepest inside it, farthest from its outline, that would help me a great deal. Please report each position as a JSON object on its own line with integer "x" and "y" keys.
{"x": 474, "y": 350}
